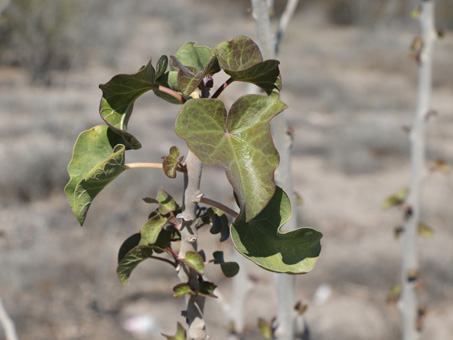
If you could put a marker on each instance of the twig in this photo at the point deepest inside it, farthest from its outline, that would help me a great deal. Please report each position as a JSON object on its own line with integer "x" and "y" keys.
{"x": 287, "y": 14}
{"x": 7, "y": 323}
{"x": 410, "y": 262}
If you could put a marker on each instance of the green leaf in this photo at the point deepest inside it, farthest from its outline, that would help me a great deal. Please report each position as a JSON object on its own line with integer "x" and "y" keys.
{"x": 180, "y": 334}
{"x": 194, "y": 261}
{"x": 131, "y": 261}
{"x": 229, "y": 269}
{"x": 396, "y": 199}
{"x": 240, "y": 141}
{"x": 171, "y": 162}
{"x": 197, "y": 57}
{"x": 293, "y": 252}
{"x": 167, "y": 203}
{"x": 118, "y": 98}
{"x": 242, "y": 60}
{"x": 220, "y": 224}
{"x": 182, "y": 289}
{"x": 394, "y": 294}
{"x": 152, "y": 228}
{"x": 207, "y": 289}
{"x": 265, "y": 328}
{"x": 425, "y": 230}
{"x": 161, "y": 66}
{"x": 130, "y": 243}
{"x": 97, "y": 159}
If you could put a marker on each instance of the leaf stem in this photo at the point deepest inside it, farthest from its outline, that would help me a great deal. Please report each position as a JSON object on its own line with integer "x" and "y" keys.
{"x": 223, "y": 87}
{"x": 172, "y": 93}
{"x": 143, "y": 165}
{"x": 164, "y": 260}
{"x": 218, "y": 205}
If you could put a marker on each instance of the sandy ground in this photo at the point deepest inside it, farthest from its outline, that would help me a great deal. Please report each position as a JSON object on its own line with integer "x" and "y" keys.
{"x": 349, "y": 90}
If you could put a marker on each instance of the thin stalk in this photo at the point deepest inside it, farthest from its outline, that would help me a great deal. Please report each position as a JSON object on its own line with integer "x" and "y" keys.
{"x": 218, "y": 205}
{"x": 172, "y": 93}
{"x": 285, "y": 284}
{"x": 410, "y": 257}
{"x": 195, "y": 303}
{"x": 143, "y": 165}
{"x": 222, "y": 87}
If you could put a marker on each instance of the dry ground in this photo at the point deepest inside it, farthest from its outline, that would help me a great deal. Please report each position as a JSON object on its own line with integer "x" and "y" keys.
{"x": 350, "y": 90}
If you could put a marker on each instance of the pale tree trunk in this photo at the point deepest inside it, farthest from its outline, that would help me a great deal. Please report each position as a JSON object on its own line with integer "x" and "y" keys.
{"x": 410, "y": 262}
{"x": 195, "y": 304}
{"x": 7, "y": 323}
{"x": 285, "y": 284}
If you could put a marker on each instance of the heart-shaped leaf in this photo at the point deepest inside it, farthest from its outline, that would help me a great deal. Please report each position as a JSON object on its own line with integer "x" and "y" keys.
{"x": 171, "y": 162}
{"x": 197, "y": 57}
{"x": 220, "y": 224}
{"x": 229, "y": 269}
{"x": 240, "y": 141}
{"x": 132, "y": 259}
{"x": 118, "y": 98}
{"x": 161, "y": 66}
{"x": 180, "y": 334}
{"x": 242, "y": 60}
{"x": 182, "y": 289}
{"x": 97, "y": 159}
{"x": 293, "y": 252}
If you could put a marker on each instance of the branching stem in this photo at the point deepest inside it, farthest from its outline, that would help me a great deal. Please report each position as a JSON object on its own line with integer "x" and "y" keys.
{"x": 164, "y": 260}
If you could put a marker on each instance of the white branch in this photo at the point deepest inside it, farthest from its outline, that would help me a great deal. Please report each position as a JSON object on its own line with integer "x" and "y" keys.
{"x": 288, "y": 13}
{"x": 195, "y": 304}
{"x": 285, "y": 284}
{"x": 7, "y": 323}
{"x": 418, "y": 168}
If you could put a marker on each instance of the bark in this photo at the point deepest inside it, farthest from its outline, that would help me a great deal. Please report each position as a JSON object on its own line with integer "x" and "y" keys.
{"x": 410, "y": 261}
{"x": 195, "y": 304}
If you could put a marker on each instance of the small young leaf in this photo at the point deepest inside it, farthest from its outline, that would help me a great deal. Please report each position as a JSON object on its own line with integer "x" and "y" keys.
{"x": 161, "y": 66}
{"x": 171, "y": 162}
{"x": 220, "y": 225}
{"x": 425, "y": 230}
{"x": 198, "y": 57}
{"x": 118, "y": 98}
{"x": 300, "y": 308}
{"x": 180, "y": 334}
{"x": 441, "y": 166}
{"x": 150, "y": 200}
{"x": 207, "y": 289}
{"x": 152, "y": 228}
{"x": 194, "y": 261}
{"x": 240, "y": 141}
{"x": 167, "y": 203}
{"x": 132, "y": 260}
{"x": 395, "y": 200}
{"x": 293, "y": 252}
{"x": 229, "y": 269}
{"x": 182, "y": 289}
{"x": 98, "y": 158}
{"x": 265, "y": 328}
{"x": 394, "y": 294}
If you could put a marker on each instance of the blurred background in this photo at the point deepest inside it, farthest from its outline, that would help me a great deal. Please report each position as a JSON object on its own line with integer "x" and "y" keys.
{"x": 350, "y": 85}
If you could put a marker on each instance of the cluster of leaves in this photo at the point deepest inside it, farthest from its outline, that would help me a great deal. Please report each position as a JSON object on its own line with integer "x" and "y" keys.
{"x": 239, "y": 140}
